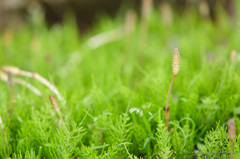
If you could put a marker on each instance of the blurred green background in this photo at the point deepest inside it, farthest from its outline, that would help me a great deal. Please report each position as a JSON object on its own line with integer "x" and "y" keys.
{"x": 16, "y": 12}
{"x": 111, "y": 61}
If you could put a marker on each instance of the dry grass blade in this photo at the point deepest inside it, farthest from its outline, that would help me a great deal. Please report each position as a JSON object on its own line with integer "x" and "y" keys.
{"x": 4, "y": 78}
{"x": 105, "y": 38}
{"x": 175, "y": 70}
{"x": 17, "y": 71}
{"x": 232, "y": 134}
{"x": 56, "y": 108}
{"x": 28, "y": 85}
{"x": 115, "y": 34}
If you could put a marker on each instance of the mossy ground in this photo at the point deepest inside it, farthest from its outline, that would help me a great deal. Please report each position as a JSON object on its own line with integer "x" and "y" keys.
{"x": 101, "y": 86}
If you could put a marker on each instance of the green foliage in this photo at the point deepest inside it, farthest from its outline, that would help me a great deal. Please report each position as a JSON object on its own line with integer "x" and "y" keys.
{"x": 163, "y": 142}
{"x": 121, "y": 134}
{"x": 216, "y": 144}
{"x": 67, "y": 142}
{"x": 114, "y": 92}
{"x": 236, "y": 151}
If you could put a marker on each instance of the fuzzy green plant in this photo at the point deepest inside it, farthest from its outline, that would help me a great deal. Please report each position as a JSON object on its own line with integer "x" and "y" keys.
{"x": 103, "y": 84}
{"x": 236, "y": 153}
{"x": 68, "y": 145}
{"x": 121, "y": 132}
{"x": 163, "y": 142}
{"x": 182, "y": 138}
{"x": 216, "y": 144}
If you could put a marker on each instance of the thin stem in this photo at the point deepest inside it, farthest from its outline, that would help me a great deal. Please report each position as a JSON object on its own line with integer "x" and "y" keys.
{"x": 128, "y": 151}
{"x": 169, "y": 91}
{"x": 10, "y": 84}
{"x": 63, "y": 122}
{"x": 166, "y": 114}
{"x": 232, "y": 149}
{"x": 11, "y": 99}
{"x": 166, "y": 110}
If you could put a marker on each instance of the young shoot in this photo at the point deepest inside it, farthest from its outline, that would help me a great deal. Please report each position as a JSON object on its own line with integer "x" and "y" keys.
{"x": 57, "y": 108}
{"x": 175, "y": 70}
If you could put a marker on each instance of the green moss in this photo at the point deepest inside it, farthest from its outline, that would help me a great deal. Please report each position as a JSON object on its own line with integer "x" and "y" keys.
{"x": 102, "y": 85}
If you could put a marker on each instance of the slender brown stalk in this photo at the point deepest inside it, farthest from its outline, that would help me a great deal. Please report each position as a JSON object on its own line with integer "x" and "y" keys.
{"x": 10, "y": 84}
{"x": 169, "y": 91}
{"x": 232, "y": 134}
{"x": 166, "y": 110}
{"x": 57, "y": 109}
{"x": 175, "y": 68}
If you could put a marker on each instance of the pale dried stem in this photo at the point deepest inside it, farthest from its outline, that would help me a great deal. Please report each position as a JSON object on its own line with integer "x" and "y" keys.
{"x": 17, "y": 71}
{"x": 4, "y": 78}
{"x": 105, "y": 38}
{"x": 115, "y": 34}
{"x": 28, "y": 85}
